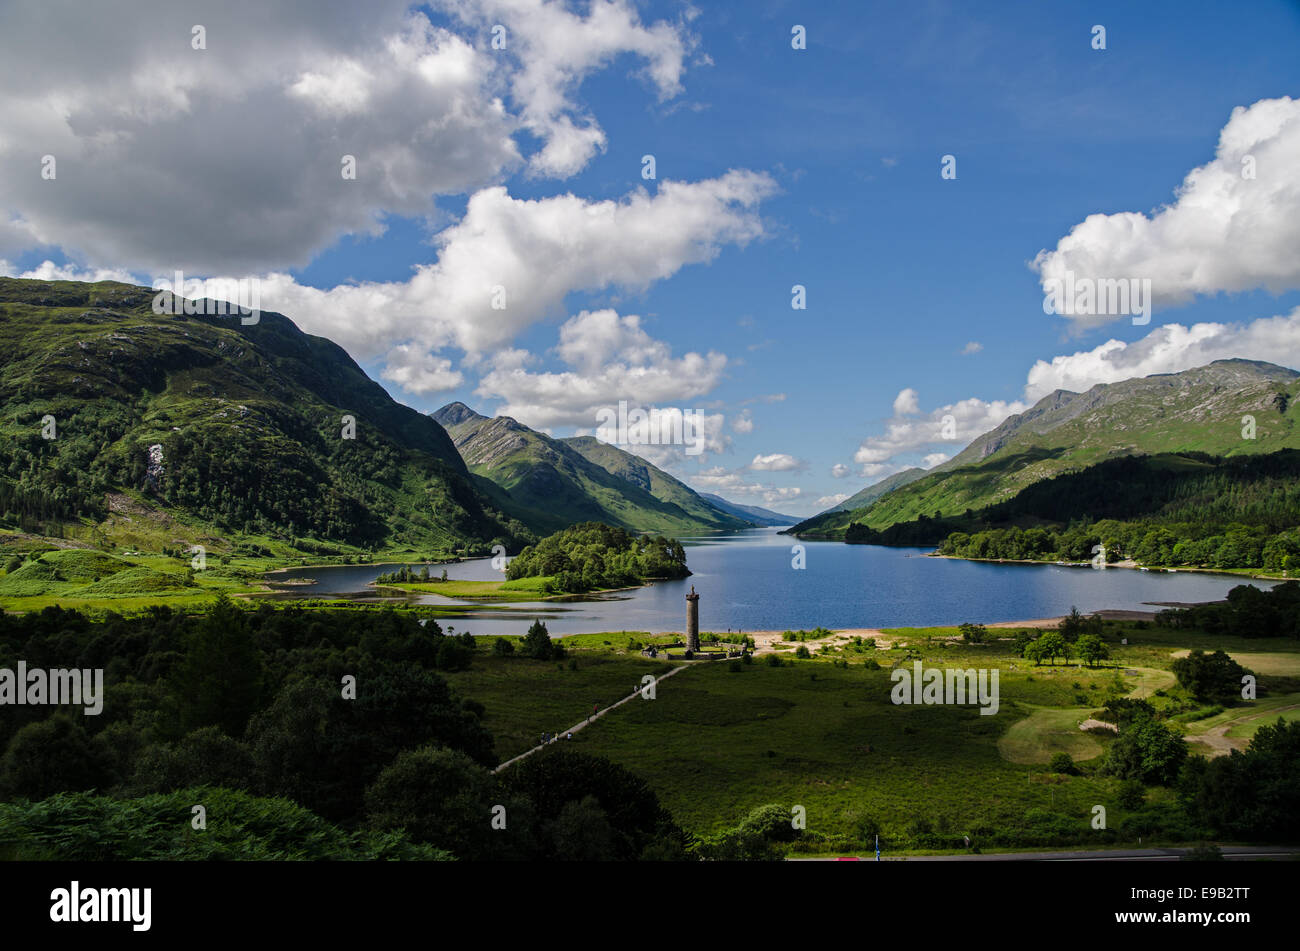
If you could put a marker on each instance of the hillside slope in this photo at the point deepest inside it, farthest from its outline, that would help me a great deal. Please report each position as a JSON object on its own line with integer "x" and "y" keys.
{"x": 760, "y": 516}
{"x": 200, "y": 424}
{"x": 1198, "y": 410}
{"x": 556, "y": 483}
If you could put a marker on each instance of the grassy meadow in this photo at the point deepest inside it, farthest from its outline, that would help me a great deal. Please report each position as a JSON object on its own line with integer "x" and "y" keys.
{"x": 723, "y": 737}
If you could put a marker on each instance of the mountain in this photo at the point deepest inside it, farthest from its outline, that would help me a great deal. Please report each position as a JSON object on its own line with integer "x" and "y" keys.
{"x": 149, "y": 430}
{"x": 644, "y": 475}
{"x": 555, "y": 483}
{"x": 762, "y": 517}
{"x": 1200, "y": 410}
{"x": 866, "y": 496}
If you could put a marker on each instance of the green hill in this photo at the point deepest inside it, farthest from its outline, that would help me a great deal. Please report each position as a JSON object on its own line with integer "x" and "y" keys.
{"x": 555, "y": 483}
{"x": 1197, "y": 410}
{"x": 201, "y": 427}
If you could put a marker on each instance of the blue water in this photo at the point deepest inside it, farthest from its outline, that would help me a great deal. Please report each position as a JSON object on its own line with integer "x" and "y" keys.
{"x": 746, "y": 582}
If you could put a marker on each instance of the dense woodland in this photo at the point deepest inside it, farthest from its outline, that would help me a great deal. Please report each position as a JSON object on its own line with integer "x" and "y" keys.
{"x": 1184, "y": 510}
{"x": 1247, "y": 612}
{"x": 245, "y": 712}
{"x": 592, "y": 555}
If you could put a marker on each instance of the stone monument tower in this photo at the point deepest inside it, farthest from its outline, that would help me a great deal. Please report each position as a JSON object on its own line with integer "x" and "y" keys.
{"x": 692, "y": 620}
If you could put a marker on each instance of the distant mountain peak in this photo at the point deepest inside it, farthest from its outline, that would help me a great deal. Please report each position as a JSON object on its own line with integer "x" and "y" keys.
{"x": 454, "y": 413}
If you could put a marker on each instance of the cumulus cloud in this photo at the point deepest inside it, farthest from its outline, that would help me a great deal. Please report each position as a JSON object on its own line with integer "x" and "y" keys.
{"x": 738, "y": 484}
{"x": 969, "y": 418}
{"x": 557, "y": 49}
{"x": 611, "y": 359}
{"x": 776, "y": 462}
{"x": 49, "y": 271}
{"x": 509, "y": 263}
{"x": 973, "y": 347}
{"x": 743, "y": 422}
{"x": 1169, "y": 349}
{"x": 826, "y": 501}
{"x": 1234, "y": 224}
{"x": 839, "y": 470}
{"x": 905, "y": 403}
{"x": 228, "y": 159}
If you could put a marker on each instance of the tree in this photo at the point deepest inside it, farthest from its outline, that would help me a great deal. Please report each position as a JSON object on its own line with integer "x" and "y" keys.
{"x": 206, "y": 757}
{"x": 582, "y": 832}
{"x": 1146, "y": 750}
{"x": 1092, "y": 649}
{"x": 504, "y": 647}
{"x": 1062, "y": 763}
{"x": 438, "y": 796}
{"x": 1033, "y": 650}
{"x": 219, "y": 682}
{"x": 454, "y": 655}
{"x": 555, "y": 778}
{"x": 50, "y": 756}
{"x": 1051, "y": 646}
{"x": 537, "y": 642}
{"x": 1210, "y": 678}
{"x": 1253, "y": 794}
{"x": 973, "y": 633}
{"x": 322, "y": 750}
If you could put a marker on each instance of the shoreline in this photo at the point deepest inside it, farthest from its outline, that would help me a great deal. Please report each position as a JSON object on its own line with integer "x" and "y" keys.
{"x": 1128, "y": 564}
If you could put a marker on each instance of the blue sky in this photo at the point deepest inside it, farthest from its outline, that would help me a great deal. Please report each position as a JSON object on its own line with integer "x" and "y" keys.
{"x": 904, "y": 270}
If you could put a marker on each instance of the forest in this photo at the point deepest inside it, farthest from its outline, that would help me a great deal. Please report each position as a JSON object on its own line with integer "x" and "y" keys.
{"x": 591, "y": 555}
{"x": 303, "y": 734}
{"x": 1170, "y": 510}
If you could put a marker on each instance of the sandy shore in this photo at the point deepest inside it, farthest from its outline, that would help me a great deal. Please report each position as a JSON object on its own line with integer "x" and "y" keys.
{"x": 765, "y": 641}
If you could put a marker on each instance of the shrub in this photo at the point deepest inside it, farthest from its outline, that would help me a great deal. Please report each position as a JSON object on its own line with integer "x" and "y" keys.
{"x": 1132, "y": 794}
{"x": 1062, "y": 763}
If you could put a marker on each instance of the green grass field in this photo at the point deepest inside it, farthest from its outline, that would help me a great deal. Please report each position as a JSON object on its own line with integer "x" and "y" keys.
{"x": 717, "y": 742}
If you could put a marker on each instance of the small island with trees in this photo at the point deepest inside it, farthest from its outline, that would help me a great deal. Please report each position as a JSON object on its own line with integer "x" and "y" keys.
{"x": 582, "y": 559}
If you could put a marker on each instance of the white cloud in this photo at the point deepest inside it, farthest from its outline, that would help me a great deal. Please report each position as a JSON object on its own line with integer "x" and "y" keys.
{"x": 933, "y": 459}
{"x": 776, "y": 462}
{"x": 557, "y": 50}
{"x": 228, "y": 159}
{"x": 611, "y": 359}
{"x": 826, "y": 501}
{"x": 743, "y": 422}
{"x": 1169, "y": 349}
{"x": 718, "y": 479}
{"x": 905, "y": 403}
{"x": 535, "y": 252}
{"x": 1224, "y": 232}
{"x": 973, "y": 347}
{"x": 49, "y": 271}
{"x": 420, "y": 373}
{"x": 878, "y": 455}
{"x": 839, "y": 470}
